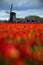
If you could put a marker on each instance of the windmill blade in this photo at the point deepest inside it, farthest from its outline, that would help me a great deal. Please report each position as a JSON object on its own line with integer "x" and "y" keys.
{"x": 7, "y": 12}
{"x": 11, "y": 7}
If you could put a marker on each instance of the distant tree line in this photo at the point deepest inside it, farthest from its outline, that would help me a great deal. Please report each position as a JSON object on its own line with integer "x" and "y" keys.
{"x": 30, "y": 18}
{"x": 26, "y": 19}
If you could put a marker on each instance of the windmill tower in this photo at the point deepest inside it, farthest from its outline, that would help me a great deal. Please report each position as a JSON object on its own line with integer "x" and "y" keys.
{"x": 12, "y": 15}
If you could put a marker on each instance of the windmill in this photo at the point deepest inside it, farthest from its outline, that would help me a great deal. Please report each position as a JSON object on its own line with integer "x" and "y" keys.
{"x": 12, "y": 15}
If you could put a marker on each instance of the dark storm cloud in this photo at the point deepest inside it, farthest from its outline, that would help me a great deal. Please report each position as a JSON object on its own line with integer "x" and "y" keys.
{"x": 21, "y": 4}
{"x": 41, "y": 1}
{"x": 1, "y": 1}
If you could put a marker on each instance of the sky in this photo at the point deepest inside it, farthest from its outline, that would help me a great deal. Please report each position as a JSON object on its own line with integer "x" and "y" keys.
{"x": 21, "y": 7}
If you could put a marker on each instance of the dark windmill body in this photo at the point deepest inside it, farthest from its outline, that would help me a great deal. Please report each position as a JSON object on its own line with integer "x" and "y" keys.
{"x": 12, "y": 15}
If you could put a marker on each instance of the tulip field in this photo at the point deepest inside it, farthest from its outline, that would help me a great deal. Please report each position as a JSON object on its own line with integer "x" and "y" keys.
{"x": 21, "y": 44}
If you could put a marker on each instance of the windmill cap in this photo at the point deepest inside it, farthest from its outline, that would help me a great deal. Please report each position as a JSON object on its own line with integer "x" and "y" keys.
{"x": 13, "y": 12}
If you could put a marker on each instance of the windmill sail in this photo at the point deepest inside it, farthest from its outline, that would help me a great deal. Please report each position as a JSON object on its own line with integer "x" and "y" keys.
{"x": 11, "y": 7}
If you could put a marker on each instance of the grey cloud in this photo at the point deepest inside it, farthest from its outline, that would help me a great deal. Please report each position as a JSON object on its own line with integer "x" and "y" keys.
{"x": 23, "y": 3}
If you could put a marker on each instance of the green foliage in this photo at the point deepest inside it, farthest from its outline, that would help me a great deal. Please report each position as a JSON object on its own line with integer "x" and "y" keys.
{"x": 37, "y": 18}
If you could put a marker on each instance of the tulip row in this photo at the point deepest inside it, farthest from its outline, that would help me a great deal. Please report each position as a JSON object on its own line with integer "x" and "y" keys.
{"x": 21, "y": 44}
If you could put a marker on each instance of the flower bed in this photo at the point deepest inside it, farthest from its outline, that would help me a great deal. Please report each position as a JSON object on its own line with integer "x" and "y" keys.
{"x": 21, "y": 44}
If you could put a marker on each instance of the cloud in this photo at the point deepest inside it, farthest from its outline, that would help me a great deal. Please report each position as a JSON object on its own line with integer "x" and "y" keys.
{"x": 36, "y": 12}
{"x": 22, "y": 14}
{"x": 3, "y": 15}
{"x": 22, "y": 4}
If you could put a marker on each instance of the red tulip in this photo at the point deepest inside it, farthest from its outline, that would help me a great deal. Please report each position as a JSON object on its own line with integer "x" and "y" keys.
{"x": 9, "y": 51}
{"x": 19, "y": 62}
{"x": 39, "y": 55}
